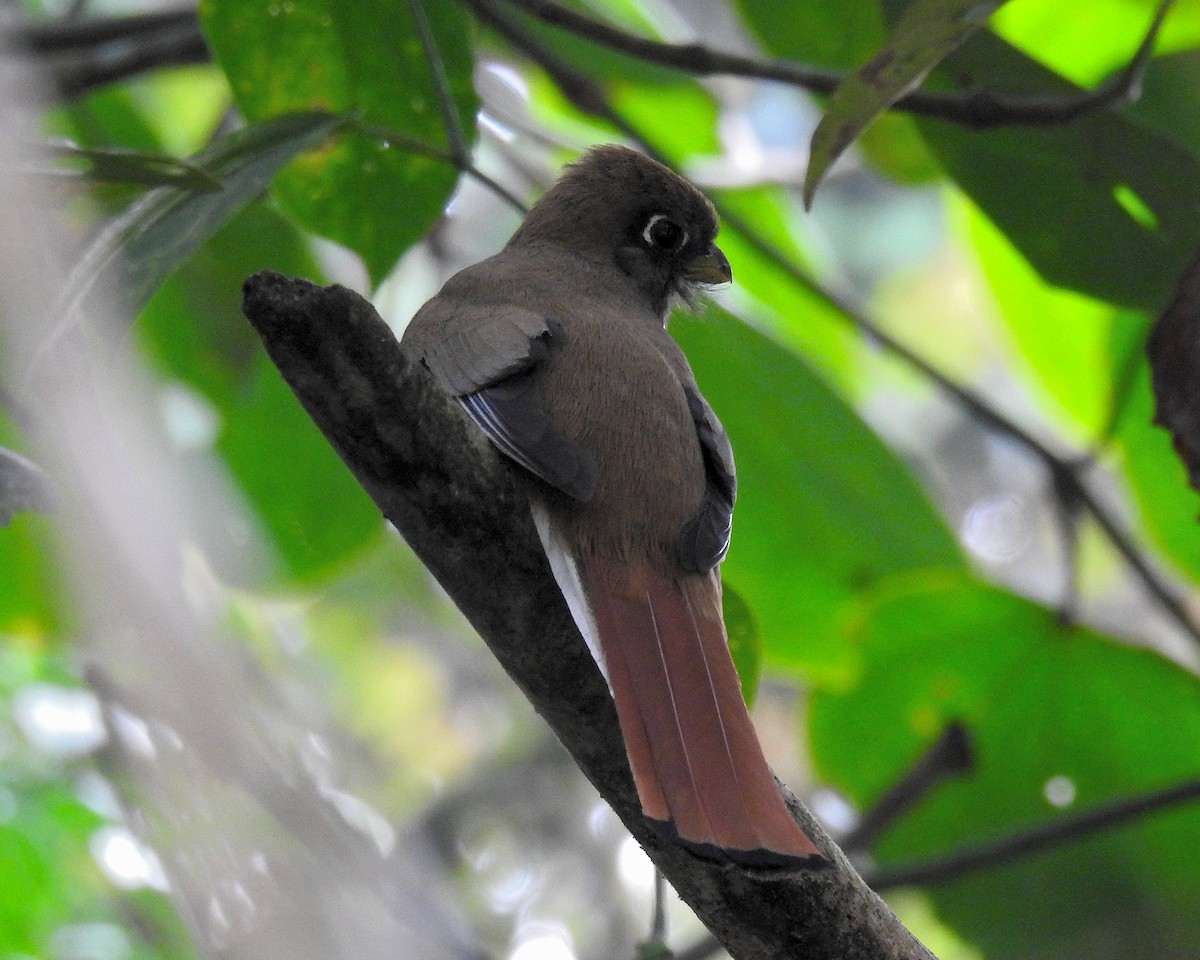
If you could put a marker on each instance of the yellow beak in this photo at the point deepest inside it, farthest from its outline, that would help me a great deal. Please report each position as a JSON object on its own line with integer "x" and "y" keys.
{"x": 711, "y": 267}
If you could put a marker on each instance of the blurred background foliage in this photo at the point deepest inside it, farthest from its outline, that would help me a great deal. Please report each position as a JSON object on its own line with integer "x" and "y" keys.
{"x": 955, "y": 508}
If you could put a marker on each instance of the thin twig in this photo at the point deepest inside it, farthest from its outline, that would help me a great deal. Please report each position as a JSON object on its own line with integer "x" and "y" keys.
{"x": 1034, "y": 840}
{"x": 463, "y": 164}
{"x": 460, "y": 150}
{"x": 977, "y": 109}
{"x": 949, "y": 756}
{"x": 1131, "y": 78}
{"x": 441, "y": 85}
{"x": 583, "y": 93}
{"x": 654, "y": 947}
{"x": 1068, "y": 513}
{"x": 658, "y": 923}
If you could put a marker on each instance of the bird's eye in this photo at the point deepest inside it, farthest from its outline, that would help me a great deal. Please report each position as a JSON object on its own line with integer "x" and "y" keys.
{"x": 663, "y": 232}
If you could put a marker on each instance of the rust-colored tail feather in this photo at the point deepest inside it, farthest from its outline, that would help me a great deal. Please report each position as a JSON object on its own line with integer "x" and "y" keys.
{"x": 696, "y": 760}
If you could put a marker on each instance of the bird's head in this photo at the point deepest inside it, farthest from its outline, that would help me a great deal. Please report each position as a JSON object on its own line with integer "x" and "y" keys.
{"x": 615, "y": 204}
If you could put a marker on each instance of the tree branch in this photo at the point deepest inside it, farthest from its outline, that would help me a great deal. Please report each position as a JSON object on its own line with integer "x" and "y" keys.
{"x": 1036, "y": 840}
{"x": 448, "y": 493}
{"x": 462, "y": 162}
{"x": 441, "y": 85}
{"x": 976, "y": 109}
{"x": 951, "y": 755}
{"x": 82, "y": 55}
{"x": 53, "y": 36}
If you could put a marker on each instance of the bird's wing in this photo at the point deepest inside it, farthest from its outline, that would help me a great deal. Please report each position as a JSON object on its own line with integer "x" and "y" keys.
{"x": 705, "y": 538}
{"x": 487, "y": 357}
{"x": 467, "y": 346}
{"x": 512, "y": 415}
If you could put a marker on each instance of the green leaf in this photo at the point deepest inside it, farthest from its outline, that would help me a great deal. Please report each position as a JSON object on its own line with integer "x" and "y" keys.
{"x": 824, "y": 508}
{"x": 314, "y": 511}
{"x": 367, "y": 193}
{"x": 31, "y": 593}
{"x": 111, "y": 116}
{"x": 794, "y": 313}
{"x": 826, "y": 34}
{"x": 693, "y": 112}
{"x": 32, "y": 600}
{"x": 1170, "y": 100}
{"x": 1100, "y": 175}
{"x": 1064, "y": 339}
{"x": 43, "y": 853}
{"x": 895, "y": 147}
{"x": 170, "y": 223}
{"x": 1057, "y": 715}
{"x": 119, "y": 165}
{"x": 925, "y": 33}
{"x": 159, "y": 231}
{"x": 1098, "y": 37}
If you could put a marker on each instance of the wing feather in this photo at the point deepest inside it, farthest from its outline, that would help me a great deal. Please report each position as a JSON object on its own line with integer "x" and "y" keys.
{"x": 704, "y": 539}
{"x": 516, "y": 421}
{"x": 487, "y": 356}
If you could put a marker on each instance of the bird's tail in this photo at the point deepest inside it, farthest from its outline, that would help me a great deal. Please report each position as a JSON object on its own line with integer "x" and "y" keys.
{"x": 696, "y": 760}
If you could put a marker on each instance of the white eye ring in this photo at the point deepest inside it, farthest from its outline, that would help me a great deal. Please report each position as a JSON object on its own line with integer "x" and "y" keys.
{"x": 651, "y": 242}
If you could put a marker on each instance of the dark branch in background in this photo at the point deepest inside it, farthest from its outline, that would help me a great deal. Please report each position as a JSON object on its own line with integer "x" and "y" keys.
{"x": 446, "y": 490}
{"x": 459, "y": 148}
{"x": 951, "y": 755}
{"x": 56, "y": 36}
{"x": 1068, "y": 513}
{"x": 84, "y": 54}
{"x": 582, "y": 92}
{"x": 465, "y": 165}
{"x": 977, "y": 109}
{"x": 1035, "y": 840}
{"x": 105, "y": 50}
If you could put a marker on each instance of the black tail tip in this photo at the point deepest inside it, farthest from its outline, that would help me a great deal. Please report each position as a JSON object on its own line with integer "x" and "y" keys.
{"x": 757, "y": 859}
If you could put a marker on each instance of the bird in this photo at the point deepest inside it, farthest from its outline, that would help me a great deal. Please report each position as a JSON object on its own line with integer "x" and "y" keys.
{"x": 557, "y": 348}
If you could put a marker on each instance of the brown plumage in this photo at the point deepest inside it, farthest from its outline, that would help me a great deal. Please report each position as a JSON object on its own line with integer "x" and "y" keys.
{"x": 557, "y": 348}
